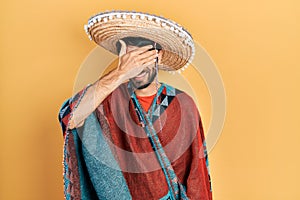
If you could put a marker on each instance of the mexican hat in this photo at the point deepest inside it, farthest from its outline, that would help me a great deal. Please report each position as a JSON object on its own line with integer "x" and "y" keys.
{"x": 107, "y": 28}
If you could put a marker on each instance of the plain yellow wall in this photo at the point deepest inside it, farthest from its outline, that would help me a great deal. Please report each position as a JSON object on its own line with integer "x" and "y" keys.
{"x": 254, "y": 43}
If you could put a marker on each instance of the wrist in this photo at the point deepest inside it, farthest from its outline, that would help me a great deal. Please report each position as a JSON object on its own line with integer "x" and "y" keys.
{"x": 110, "y": 81}
{"x": 118, "y": 76}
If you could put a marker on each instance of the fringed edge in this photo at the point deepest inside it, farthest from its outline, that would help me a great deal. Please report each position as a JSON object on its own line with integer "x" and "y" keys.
{"x": 66, "y": 179}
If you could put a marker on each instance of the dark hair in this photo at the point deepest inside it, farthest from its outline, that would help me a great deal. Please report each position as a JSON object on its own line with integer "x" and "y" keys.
{"x": 138, "y": 42}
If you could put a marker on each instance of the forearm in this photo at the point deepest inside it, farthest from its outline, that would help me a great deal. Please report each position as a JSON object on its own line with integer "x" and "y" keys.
{"x": 93, "y": 97}
{"x": 130, "y": 65}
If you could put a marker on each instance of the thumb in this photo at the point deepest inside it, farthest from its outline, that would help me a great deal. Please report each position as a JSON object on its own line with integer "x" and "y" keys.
{"x": 123, "y": 48}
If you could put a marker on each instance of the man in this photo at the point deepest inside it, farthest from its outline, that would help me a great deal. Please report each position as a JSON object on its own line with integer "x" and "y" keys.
{"x": 136, "y": 139}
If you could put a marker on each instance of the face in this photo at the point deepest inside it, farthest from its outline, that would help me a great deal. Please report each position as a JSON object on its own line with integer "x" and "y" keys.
{"x": 146, "y": 77}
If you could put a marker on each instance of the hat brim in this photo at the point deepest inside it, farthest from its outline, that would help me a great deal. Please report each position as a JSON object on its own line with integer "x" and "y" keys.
{"x": 106, "y": 29}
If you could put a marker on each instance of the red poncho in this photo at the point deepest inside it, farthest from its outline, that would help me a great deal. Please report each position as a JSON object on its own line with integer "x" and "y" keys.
{"x": 140, "y": 168}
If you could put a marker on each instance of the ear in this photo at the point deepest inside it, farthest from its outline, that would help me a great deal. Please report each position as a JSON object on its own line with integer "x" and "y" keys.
{"x": 123, "y": 48}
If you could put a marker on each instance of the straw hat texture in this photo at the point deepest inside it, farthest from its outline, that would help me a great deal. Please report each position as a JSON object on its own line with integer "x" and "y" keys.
{"x": 107, "y": 28}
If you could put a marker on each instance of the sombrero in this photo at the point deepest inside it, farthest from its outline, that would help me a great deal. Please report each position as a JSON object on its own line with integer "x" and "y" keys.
{"x": 107, "y": 28}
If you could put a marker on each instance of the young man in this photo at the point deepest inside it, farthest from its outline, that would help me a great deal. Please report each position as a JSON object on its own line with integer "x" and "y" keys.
{"x": 127, "y": 136}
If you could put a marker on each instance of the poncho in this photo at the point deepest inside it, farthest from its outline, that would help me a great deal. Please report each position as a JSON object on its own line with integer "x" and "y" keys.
{"x": 122, "y": 152}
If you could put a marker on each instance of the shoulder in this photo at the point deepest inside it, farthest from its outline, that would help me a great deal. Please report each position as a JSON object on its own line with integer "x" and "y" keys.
{"x": 179, "y": 94}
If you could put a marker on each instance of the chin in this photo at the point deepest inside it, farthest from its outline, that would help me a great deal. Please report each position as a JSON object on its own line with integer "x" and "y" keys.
{"x": 140, "y": 84}
{"x": 143, "y": 86}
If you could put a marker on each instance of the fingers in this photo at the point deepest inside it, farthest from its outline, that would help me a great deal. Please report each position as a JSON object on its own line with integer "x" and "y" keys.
{"x": 145, "y": 58}
{"x": 149, "y": 62}
{"x": 142, "y": 55}
{"x": 148, "y": 54}
{"x": 139, "y": 57}
{"x": 141, "y": 50}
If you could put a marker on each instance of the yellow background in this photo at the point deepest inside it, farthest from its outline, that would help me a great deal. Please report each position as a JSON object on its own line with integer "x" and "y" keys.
{"x": 254, "y": 43}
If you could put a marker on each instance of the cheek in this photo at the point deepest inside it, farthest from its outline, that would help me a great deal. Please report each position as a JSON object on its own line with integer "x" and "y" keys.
{"x": 152, "y": 72}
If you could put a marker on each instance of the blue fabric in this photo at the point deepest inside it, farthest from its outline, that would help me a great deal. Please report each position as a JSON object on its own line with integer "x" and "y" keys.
{"x": 167, "y": 197}
{"x": 87, "y": 191}
{"x": 104, "y": 172}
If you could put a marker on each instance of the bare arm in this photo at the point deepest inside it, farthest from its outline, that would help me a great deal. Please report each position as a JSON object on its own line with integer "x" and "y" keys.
{"x": 130, "y": 64}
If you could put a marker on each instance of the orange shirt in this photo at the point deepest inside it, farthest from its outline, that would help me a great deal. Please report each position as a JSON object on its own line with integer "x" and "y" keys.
{"x": 146, "y": 101}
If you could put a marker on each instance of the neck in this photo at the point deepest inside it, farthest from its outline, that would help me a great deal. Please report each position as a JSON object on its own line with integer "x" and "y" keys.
{"x": 148, "y": 91}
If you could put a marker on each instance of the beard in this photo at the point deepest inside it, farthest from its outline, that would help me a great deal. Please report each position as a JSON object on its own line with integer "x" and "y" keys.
{"x": 146, "y": 81}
